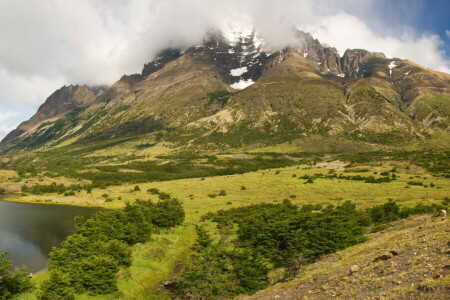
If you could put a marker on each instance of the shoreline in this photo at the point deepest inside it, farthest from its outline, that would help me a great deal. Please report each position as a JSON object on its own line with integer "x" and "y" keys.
{"x": 17, "y": 199}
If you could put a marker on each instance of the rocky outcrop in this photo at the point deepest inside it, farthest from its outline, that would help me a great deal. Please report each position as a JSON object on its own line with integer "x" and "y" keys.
{"x": 325, "y": 57}
{"x": 159, "y": 62}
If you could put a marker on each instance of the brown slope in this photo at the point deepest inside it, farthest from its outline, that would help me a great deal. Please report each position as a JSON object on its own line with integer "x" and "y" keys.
{"x": 168, "y": 98}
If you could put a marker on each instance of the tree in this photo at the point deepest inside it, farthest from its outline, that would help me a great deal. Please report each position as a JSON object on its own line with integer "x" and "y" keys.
{"x": 12, "y": 282}
{"x": 58, "y": 287}
{"x": 169, "y": 213}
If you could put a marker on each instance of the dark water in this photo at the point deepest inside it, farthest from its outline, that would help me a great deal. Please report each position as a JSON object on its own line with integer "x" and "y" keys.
{"x": 29, "y": 231}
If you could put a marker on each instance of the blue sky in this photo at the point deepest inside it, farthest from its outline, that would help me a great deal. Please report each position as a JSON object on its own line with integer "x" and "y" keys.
{"x": 47, "y": 44}
{"x": 431, "y": 16}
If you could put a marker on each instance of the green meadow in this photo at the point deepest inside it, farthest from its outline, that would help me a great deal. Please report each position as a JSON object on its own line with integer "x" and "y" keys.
{"x": 164, "y": 256}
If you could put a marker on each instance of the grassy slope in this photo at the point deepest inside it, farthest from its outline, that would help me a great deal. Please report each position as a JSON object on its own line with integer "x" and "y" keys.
{"x": 417, "y": 273}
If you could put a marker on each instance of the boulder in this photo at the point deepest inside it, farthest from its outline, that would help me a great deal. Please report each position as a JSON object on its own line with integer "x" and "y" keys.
{"x": 384, "y": 256}
{"x": 354, "y": 269}
{"x": 396, "y": 251}
{"x": 169, "y": 283}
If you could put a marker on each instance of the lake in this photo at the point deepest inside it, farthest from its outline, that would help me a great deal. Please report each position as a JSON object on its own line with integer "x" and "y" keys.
{"x": 29, "y": 231}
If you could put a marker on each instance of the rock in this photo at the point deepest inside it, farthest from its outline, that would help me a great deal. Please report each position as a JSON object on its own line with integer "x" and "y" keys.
{"x": 384, "y": 256}
{"x": 354, "y": 269}
{"x": 396, "y": 251}
{"x": 169, "y": 283}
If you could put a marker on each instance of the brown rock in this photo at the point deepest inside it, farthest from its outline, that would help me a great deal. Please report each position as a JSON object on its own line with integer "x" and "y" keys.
{"x": 396, "y": 251}
{"x": 354, "y": 269}
{"x": 169, "y": 283}
{"x": 384, "y": 256}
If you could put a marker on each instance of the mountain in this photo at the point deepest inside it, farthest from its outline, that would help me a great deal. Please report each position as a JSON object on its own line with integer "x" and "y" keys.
{"x": 233, "y": 91}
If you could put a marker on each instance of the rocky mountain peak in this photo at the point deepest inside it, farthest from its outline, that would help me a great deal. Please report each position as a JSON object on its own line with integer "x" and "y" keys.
{"x": 162, "y": 58}
{"x": 61, "y": 101}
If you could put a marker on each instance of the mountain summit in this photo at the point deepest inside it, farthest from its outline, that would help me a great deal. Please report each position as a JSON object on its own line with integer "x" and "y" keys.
{"x": 233, "y": 91}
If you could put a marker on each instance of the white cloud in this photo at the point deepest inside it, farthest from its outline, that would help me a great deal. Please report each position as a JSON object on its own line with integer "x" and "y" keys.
{"x": 46, "y": 44}
{"x": 447, "y": 32}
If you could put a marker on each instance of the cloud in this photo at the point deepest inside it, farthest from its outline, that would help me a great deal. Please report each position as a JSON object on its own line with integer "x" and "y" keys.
{"x": 46, "y": 44}
{"x": 447, "y": 33}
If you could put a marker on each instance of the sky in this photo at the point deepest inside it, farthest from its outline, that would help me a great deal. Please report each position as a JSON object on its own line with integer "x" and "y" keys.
{"x": 45, "y": 44}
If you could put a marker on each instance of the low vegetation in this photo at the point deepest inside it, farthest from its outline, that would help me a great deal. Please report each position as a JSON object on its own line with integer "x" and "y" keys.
{"x": 12, "y": 282}
{"x": 88, "y": 261}
{"x": 252, "y": 240}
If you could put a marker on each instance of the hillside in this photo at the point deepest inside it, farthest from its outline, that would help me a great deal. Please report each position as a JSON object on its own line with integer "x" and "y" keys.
{"x": 418, "y": 270}
{"x": 232, "y": 92}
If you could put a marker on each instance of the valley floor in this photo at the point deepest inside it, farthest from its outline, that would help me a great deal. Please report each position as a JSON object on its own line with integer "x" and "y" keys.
{"x": 411, "y": 274}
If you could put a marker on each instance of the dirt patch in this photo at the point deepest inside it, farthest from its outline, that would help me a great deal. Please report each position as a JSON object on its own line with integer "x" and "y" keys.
{"x": 336, "y": 165}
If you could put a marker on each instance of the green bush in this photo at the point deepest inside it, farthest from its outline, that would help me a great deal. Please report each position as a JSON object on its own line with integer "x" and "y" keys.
{"x": 12, "y": 282}
{"x": 215, "y": 271}
{"x": 91, "y": 257}
{"x": 57, "y": 287}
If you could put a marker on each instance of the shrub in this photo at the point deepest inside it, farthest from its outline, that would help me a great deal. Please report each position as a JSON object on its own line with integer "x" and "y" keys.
{"x": 415, "y": 183}
{"x": 57, "y": 287}
{"x": 89, "y": 259}
{"x": 153, "y": 191}
{"x": 309, "y": 180}
{"x": 12, "y": 282}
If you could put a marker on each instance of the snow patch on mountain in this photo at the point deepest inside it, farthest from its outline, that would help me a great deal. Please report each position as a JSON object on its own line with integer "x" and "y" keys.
{"x": 238, "y": 72}
{"x": 242, "y": 84}
{"x": 391, "y": 66}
